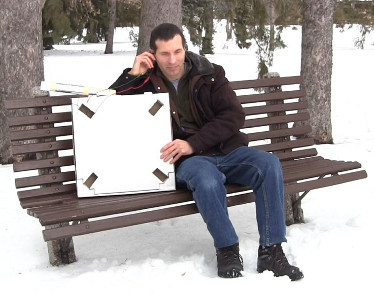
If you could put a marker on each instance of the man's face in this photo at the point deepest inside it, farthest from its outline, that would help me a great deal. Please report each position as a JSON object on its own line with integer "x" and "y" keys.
{"x": 170, "y": 57}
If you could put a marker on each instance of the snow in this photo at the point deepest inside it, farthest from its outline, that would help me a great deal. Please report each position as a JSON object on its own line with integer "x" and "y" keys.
{"x": 332, "y": 247}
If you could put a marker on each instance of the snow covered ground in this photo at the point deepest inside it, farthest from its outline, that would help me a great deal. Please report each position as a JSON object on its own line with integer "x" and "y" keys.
{"x": 333, "y": 246}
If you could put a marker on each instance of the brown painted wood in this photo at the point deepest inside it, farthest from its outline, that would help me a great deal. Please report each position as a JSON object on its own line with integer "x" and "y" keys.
{"x": 40, "y": 119}
{"x": 42, "y": 147}
{"x": 266, "y": 82}
{"x": 46, "y": 163}
{"x": 39, "y": 102}
{"x": 274, "y": 96}
{"x": 45, "y": 179}
{"x": 41, "y": 133}
{"x": 51, "y": 195}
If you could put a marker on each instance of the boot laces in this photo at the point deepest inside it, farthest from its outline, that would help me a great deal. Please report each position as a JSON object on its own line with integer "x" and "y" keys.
{"x": 280, "y": 258}
{"x": 231, "y": 257}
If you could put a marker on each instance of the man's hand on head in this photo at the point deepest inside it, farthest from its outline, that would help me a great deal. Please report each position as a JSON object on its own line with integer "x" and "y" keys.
{"x": 142, "y": 63}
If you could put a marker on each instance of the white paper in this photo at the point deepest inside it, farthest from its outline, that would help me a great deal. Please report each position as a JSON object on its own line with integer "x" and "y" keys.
{"x": 121, "y": 144}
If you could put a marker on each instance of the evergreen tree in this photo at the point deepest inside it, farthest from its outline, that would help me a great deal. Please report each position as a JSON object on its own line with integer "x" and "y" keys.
{"x": 251, "y": 25}
{"x": 192, "y": 14}
{"x": 56, "y": 23}
{"x": 355, "y": 12}
{"x": 88, "y": 20}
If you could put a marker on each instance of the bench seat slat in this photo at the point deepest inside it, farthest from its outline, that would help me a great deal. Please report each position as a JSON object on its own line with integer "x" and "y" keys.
{"x": 320, "y": 168}
{"x": 42, "y": 147}
{"x": 324, "y": 182}
{"x": 99, "y": 206}
{"x": 292, "y": 163}
{"x": 84, "y": 208}
{"x": 102, "y": 206}
{"x": 40, "y": 119}
{"x": 133, "y": 219}
{"x": 296, "y": 154}
{"x": 41, "y": 133}
{"x": 96, "y": 207}
{"x": 49, "y": 200}
{"x": 38, "y": 192}
{"x": 187, "y": 209}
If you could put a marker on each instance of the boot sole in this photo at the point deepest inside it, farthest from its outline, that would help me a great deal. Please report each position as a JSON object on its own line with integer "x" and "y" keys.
{"x": 231, "y": 274}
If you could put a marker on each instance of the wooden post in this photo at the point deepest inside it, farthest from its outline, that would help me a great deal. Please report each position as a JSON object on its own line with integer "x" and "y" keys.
{"x": 293, "y": 212}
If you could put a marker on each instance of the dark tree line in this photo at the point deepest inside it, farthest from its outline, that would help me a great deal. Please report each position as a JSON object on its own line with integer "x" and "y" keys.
{"x": 251, "y": 21}
{"x": 87, "y": 20}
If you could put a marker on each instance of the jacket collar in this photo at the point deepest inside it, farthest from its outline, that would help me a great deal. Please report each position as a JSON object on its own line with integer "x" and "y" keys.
{"x": 201, "y": 65}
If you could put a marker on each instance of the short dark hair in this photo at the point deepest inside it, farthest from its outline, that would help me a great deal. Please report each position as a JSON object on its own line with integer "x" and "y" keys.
{"x": 165, "y": 32}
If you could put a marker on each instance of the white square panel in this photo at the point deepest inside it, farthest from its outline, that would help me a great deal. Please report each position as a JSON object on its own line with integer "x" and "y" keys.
{"x": 117, "y": 142}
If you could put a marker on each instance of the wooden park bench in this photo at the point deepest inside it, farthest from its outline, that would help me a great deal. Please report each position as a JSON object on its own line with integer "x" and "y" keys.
{"x": 46, "y": 185}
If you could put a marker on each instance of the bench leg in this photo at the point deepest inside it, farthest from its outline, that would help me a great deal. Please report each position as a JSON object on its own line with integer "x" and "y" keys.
{"x": 61, "y": 251}
{"x": 293, "y": 211}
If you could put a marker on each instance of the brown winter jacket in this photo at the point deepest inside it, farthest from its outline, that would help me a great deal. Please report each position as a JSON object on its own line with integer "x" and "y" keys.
{"x": 214, "y": 105}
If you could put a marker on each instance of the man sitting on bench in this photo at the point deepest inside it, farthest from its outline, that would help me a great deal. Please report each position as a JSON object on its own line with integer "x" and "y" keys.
{"x": 208, "y": 149}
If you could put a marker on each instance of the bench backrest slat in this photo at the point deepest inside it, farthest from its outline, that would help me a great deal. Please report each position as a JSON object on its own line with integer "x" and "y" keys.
{"x": 40, "y": 119}
{"x": 51, "y": 190}
{"x": 43, "y": 147}
{"x": 39, "y": 102}
{"x": 41, "y": 133}
{"x": 266, "y": 109}
{"x": 286, "y": 146}
{"x": 266, "y": 82}
{"x": 293, "y": 131}
{"x": 41, "y": 164}
{"x": 273, "y": 96}
{"x": 45, "y": 179}
{"x": 276, "y": 120}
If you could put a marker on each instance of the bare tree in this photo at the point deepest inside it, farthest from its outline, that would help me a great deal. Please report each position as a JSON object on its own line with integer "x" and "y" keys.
{"x": 21, "y": 58}
{"x": 155, "y": 12}
{"x": 271, "y": 14}
{"x": 112, "y": 7}
{"x": 316, "y": 64}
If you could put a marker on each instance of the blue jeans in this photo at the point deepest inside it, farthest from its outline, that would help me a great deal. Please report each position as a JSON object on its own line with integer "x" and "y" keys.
{"x": 205, "y": 176}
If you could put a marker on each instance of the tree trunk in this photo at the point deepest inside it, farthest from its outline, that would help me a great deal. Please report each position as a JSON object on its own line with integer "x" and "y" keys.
{"x": 21, "y": 58}
{"x": 92, "y": 36}
{"x": 208, "y": 26}
{"x": 316, "y": 65}
{"x": 112, "y": 7}
{"x": 292, "y": 203}
{"x": 270, "y": 9}
{"x": 154, "y": 13}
